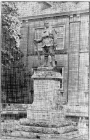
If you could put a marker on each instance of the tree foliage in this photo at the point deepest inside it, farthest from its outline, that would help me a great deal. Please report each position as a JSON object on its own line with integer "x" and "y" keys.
{"x": 13, "y": 70}
{"x": 10, "y": 22}
{"x": 10, "y": 33}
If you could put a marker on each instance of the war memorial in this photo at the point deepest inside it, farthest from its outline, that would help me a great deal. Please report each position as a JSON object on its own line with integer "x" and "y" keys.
{"x": 58, "y": 53}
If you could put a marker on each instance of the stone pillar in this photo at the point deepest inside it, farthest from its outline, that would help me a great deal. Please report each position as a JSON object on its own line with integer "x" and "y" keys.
{"x": 47, "y": 102}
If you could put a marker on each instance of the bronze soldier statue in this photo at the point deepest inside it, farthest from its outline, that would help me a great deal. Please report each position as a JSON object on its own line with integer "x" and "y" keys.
{"x": 48, "y": 44}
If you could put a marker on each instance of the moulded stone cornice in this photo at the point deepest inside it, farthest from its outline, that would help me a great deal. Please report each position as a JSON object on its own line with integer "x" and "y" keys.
{"x": 71, "y": 13}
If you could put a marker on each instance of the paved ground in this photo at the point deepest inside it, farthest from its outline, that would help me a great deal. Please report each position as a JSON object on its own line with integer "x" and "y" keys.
{"x": 41, "y": 139}
{"x": 77, "y": 138}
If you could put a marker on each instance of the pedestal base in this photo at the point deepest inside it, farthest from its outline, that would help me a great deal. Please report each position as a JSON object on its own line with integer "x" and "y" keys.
{"x": 53, "y": 117}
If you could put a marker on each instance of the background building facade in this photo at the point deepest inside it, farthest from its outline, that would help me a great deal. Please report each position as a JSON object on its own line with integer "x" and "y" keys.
{"x": 72, "y": 51}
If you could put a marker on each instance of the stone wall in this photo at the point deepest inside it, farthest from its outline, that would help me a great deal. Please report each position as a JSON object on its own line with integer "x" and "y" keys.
{"x": 78, "y": 60}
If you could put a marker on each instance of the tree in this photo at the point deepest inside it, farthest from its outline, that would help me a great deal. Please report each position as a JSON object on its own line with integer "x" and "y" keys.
{"x": 11, "y": 54}
{"x": 10, "y": 32}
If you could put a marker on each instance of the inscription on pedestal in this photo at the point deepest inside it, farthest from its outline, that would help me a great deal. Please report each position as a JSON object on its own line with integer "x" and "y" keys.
{"x": 47, "y": 97}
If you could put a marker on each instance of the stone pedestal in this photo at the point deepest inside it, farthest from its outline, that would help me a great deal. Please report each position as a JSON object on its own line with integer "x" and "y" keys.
{"x": 47, "y": 104}
{"x": 45, "y": 117}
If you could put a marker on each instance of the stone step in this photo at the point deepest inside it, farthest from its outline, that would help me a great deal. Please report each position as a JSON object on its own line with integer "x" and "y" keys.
{"x": 46, "y": 130}
{"x": 63, "y": 123}
{"x": 15, "y": 129}
{"x": 31, "y": 135}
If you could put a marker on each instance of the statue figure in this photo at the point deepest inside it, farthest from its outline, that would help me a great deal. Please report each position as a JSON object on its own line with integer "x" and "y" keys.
{"x": 48, "y": 44}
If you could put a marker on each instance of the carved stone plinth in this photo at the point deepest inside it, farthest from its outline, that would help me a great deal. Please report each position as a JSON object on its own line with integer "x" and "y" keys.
{"x": 47, "y": 102}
